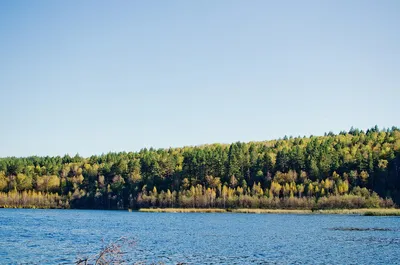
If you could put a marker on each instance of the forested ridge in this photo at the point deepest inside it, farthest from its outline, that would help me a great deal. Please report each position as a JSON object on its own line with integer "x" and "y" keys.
{"x": 352, "y": 169}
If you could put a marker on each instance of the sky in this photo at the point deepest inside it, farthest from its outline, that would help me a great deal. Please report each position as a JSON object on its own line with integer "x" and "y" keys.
{"x": 93, "y": 77}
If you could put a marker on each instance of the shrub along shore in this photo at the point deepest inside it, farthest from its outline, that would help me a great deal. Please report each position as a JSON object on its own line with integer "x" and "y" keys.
{"x": 33, "y": 199}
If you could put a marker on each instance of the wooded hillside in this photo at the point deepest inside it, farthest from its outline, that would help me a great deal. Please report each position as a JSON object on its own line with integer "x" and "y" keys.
{"x": 349, "y": 170}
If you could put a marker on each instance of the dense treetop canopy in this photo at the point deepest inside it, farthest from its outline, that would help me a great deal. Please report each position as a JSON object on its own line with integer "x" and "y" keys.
{"x": 289, "y": 172}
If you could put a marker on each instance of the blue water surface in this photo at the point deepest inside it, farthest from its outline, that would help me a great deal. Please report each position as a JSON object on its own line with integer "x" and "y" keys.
{"x": 62, "y": 236}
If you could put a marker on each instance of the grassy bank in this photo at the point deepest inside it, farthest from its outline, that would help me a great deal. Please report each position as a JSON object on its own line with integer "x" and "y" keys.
{"x": 219, "y": 210}
{"x": 276, "y": 211}
{"x": 182, "y": 210}
{"x": 366, "y": 212}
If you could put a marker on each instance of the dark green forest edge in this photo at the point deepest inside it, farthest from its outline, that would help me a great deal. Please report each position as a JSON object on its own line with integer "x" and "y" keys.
{"x": 354, "y": 169}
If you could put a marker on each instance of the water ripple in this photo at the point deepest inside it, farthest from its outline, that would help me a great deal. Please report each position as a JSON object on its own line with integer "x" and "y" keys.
{"x": 61, "y": 236}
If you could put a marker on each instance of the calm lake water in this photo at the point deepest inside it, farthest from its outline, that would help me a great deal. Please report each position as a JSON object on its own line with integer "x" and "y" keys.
{"x": 60, "y": 236}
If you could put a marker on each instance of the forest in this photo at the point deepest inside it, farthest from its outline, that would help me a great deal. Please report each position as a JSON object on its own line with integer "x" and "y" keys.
{"x": 354, "y": 169}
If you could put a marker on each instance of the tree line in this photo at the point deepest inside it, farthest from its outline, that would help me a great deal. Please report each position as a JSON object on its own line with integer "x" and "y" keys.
{"x": 347, "y": 170}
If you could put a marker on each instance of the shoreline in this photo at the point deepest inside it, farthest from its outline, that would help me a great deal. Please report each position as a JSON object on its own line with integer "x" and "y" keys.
{"x": 357, "y": 211}
{"x": 361, "y": 211}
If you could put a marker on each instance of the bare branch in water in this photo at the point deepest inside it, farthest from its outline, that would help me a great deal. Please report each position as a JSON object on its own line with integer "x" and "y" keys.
{"x": 111, "y": 254}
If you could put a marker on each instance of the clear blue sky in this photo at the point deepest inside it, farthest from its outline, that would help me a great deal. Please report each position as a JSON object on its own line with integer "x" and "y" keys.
{"x": 91, "y": 77}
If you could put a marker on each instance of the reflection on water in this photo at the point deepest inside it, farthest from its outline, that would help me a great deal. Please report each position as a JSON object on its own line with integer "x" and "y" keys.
{"x": 60, "y": 236}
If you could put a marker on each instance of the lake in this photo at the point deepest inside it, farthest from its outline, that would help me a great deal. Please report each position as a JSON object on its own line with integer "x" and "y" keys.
{"x": 60, "y": 236}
